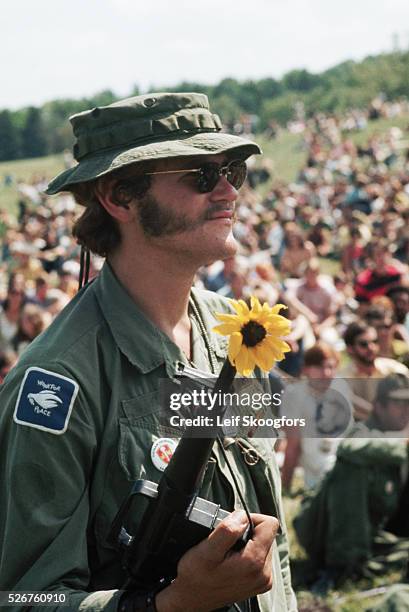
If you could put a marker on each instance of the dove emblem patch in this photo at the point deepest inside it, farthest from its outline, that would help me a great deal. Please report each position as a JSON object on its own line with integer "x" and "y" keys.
{"x": 45, "y": 400}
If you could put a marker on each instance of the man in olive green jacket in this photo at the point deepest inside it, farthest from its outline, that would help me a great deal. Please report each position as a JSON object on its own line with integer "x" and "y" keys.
{"x": 79, "y": 419}
{"x": 365, "y": 492}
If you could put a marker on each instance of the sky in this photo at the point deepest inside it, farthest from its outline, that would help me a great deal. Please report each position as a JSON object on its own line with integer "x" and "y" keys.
{"x": 53, "y": 49}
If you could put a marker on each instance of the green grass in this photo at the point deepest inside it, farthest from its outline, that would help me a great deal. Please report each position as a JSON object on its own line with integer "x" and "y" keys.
{"x": 24, "y": 170}
{"x": 286, "y": 153}
{"x": 379, "y": 127}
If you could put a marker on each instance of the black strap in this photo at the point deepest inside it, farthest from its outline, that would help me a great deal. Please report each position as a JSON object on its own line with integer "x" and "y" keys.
{"x": 85, "y": 261}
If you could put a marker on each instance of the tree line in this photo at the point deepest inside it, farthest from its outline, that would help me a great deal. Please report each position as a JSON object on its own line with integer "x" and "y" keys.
{"x": 37, "y": 131}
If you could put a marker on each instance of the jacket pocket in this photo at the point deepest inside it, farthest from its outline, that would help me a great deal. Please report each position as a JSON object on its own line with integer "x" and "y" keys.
{"x": 138, "y": 430}
{"x": 144, "y": 425}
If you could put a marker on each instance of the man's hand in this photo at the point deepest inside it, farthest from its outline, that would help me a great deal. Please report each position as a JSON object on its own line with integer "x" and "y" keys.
{"x": 210, "y": 575}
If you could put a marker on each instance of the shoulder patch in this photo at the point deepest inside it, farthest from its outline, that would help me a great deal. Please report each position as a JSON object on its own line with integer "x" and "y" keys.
{"x": 45, "y": 400}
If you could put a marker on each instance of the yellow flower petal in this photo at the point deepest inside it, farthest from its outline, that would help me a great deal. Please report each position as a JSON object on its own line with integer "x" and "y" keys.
{"x": 276, "y": 309}
{"x": 225, "y": 329}
{"x": 244, "y": 361}
{"x": 276, "y": 346}
{"x": 227, "y": 318}
{"x": 236, "y": 340}
{"x": 240, "y": 307}
{"x": 255, "y": 305}
{"x": 264, "y": 359}
{"x": 278, "y": 328}
{"x": 268, "y": 349}
{"x": 274, "y": 318}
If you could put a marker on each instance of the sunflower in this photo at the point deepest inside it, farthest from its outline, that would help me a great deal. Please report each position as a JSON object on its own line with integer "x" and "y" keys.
{"x": 255, "y": 335}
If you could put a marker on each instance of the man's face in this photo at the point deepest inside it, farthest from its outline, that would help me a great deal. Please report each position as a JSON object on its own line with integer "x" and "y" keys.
{"x": 401, "y": 301}
{"x": 381, "y": 258}
{"x": 384, "y": 328}
{"x": 394, "y": 416}
{"x": 365, "y": 348}
{"x": 175, "y": 216}
{"x": 320, "y": 376}
{"x": 311, "y": 278}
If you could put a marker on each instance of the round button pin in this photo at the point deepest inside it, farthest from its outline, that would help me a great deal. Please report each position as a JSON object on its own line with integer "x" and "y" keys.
{"x": 162, "y": 451}
{"x": 149, "y": 102}
{"x": 389, "y": 487}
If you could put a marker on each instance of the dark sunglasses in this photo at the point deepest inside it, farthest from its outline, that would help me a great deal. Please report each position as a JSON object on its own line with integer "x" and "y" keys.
{"x": 208, "y": 174}
{"x": 366, "y": 343}
{"x": 384, "y": 326}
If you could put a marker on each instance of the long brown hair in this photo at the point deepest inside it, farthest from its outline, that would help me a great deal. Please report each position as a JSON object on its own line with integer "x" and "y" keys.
{"x": 96, "y": 229}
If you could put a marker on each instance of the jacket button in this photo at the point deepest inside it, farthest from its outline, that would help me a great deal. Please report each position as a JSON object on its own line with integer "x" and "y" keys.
{"x": 149, "y": 102}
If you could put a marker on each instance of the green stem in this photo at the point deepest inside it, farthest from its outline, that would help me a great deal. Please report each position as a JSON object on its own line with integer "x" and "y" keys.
{"x": 225, "y": 378}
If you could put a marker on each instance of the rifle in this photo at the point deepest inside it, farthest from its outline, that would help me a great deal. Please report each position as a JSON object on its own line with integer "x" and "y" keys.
{"x": 176, "y": 518}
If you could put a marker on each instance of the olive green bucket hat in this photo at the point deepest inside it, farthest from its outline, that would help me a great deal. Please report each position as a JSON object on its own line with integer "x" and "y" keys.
{"x": 145, "y": 128}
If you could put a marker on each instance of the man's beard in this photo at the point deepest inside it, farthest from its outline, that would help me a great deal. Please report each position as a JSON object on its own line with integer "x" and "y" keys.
{"x": 367, "y": 361}
{"x": 157, "y": 220}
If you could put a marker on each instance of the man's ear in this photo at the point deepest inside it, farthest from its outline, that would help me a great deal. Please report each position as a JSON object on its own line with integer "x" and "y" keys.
{"x": 114, "y": 197}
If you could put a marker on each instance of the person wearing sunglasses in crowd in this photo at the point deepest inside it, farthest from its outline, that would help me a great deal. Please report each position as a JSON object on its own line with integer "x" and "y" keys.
{"x": 158, "y": 180}
{"x": 365, "y": 366}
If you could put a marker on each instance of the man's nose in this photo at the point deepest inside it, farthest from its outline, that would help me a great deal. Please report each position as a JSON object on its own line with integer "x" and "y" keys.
{"x": 224, "y": 190}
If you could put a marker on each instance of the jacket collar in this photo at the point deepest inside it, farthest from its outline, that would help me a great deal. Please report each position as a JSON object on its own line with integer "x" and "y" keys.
{"x": 146, "y": 346}
{"x": 207, "y": 310}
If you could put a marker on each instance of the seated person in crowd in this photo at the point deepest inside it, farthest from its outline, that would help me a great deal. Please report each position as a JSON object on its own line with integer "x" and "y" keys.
{"x": 322, "y": 401}
{"x": 8, "y": 359}
{"x": 351, "y": 256}
{"x": 400, "y": 300}
{"x": 10, "y": 310}
{"x": 296, "y": 252}
{"x": 300, "y": 338}
{"x": 364, "y": 492}
{"x": 214, "y": 281}
{"x": 382, "y": 273}
{"x": 33, "y": 321}
{"x": 316, "y": 298}
{"x": 365, "y": 366}
{"x": 391, "y": 342}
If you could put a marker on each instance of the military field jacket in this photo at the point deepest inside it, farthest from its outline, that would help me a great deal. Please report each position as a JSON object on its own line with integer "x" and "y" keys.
{"x": 64, "y": 475}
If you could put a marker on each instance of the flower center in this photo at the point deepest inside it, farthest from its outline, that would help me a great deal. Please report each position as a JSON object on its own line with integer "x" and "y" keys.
{"x": 253, "y": 333}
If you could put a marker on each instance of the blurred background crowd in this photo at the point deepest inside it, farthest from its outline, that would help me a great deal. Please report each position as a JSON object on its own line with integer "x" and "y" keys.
{"x": 332, "y": 246}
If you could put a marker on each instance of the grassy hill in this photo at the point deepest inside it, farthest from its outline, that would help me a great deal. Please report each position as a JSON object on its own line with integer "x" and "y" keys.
{"x": 25, "y": 170}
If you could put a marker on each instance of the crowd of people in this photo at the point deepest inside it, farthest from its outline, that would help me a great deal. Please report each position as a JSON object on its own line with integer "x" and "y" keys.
{"x": 39, "y": 267}
{"x": 332, "y": 246}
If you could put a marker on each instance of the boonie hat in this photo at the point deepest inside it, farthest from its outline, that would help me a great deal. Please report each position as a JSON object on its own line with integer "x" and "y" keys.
{"x": 145, "y": 128}
{"x": 394, "y": 386}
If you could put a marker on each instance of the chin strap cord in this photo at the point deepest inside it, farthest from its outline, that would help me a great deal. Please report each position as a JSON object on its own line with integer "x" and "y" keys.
{"x": 85, "y": 261}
